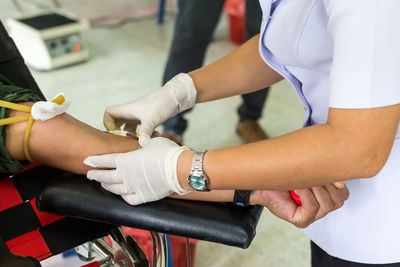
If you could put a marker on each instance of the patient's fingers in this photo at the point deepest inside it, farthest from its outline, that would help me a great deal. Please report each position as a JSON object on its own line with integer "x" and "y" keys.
{"x": 118, "y": 189}
{"x": 103, "y": 161}
{"x": 104, "y": 176}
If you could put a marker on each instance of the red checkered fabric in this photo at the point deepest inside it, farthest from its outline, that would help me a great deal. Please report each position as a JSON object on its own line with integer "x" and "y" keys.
{"x": 20, "y": 222}
{"x": 29, "y": 232}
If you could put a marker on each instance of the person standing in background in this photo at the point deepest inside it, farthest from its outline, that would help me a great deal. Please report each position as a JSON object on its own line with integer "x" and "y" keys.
{"x": 194, "y": 28}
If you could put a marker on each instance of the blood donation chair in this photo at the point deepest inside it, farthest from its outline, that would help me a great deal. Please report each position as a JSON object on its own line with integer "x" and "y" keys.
{"x": 88, "y": 212}
{"x": 45, "y": 211}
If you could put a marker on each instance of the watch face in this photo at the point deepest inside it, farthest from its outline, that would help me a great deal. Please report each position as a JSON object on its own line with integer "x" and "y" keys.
{"x": 197, "y": 182}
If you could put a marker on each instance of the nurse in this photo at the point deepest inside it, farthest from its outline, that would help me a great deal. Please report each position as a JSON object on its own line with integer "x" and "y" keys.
{"x": 342, "y": 58}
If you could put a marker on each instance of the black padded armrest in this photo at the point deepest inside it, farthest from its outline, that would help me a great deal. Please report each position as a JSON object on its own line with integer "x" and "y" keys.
{"x": 224, "y": 223}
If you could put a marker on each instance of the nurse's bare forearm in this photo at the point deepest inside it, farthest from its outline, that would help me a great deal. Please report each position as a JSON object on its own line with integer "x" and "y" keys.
{"x": 240, "y": 72}
{"x": 353, "y": 144}
{"x": 219, "y": 196}
{"x": 212, "y": 196}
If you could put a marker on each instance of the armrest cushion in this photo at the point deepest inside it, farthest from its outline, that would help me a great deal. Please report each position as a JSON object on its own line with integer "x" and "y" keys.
{"x": 224, "y": 223}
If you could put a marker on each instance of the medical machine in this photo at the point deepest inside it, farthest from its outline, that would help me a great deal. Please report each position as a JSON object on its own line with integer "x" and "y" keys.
{"x": 49, "y": 40}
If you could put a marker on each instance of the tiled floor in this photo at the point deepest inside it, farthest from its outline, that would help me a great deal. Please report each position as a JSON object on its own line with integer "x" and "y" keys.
{"x": 127, "y": 63}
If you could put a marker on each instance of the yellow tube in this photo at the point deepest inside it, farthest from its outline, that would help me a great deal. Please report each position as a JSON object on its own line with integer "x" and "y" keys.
{"x": 28, "y": 117}
{"x": 58, "y": 100}
{"x": 14, "y": 119}
{"x": 15, "y": 106}
{"x": 26, "y": 137}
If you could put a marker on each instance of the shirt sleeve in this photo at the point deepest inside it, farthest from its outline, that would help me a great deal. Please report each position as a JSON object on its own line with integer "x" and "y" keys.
{"x": 15, "y": 94}
{"x": 365, "y": 71}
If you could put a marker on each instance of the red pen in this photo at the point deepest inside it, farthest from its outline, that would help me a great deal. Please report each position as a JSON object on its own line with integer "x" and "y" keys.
{"x": 295, "y": 197}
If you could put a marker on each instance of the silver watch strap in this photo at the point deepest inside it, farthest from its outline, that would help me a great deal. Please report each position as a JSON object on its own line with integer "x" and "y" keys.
{"x": 197, "y": 179}
{"x": 197, "y": 163}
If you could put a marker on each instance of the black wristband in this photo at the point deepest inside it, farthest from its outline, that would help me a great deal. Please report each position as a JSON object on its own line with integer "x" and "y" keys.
{"x": 241, "y": 198}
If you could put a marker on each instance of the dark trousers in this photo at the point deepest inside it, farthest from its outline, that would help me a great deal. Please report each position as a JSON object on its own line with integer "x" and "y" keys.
{"x": 194, "y": 28}
{"x": 320, "y": 258}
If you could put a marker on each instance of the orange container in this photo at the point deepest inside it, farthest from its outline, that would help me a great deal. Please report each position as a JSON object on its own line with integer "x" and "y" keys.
{"x": 235, "y": 9}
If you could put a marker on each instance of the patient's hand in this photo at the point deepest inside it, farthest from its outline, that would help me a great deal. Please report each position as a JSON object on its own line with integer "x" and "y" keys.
{"x": 316, "y": 203}
{"x": 63, "y": 142}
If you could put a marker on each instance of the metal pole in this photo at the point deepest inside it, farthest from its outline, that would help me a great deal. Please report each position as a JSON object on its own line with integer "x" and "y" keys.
{"x": 188, "y": 254}
{"x": 160, "y": 13}
{"x": 160, "y": 249}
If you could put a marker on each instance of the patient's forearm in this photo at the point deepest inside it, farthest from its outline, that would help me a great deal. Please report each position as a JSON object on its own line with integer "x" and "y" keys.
{"x": 63, "y": 142}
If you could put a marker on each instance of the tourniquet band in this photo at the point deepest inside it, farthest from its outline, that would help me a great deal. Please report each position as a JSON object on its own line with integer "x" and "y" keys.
{"x": 28, "y": 117}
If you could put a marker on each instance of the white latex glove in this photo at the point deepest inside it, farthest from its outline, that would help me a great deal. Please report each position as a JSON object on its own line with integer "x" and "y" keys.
{"x": 140, "y": 176}
{"x": 175, "y": 96}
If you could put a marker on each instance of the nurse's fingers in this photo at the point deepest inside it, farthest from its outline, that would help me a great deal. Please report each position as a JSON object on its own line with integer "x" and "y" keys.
{"x": 104, "y": 176}
{"x": 306, "y": 213}
{"x": 118, "y": 189}
{"x": 339, "y": 185}
{"x": 144, "y": 133}
{"x": 107, "y": 161}
{"x": 132, "y": 199}
{"x": 326, "y": 204}
{"x": 338, "y": 196}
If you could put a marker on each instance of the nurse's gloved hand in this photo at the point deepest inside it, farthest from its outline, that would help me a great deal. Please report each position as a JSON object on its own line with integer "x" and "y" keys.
{"x": 140, "y": 176}
{"x": 175, "y": 96}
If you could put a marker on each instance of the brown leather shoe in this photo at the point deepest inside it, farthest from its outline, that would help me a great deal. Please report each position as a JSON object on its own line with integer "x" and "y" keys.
{"x": 173, "y": 137}
{"x": 251, "y": 131}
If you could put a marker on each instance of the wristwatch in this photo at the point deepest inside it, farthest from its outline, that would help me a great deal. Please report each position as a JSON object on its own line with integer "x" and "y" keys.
{"x": 197, "y": 179}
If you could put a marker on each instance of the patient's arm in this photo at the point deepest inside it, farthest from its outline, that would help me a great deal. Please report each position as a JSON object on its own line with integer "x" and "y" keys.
{"x": 63, "y": 142}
